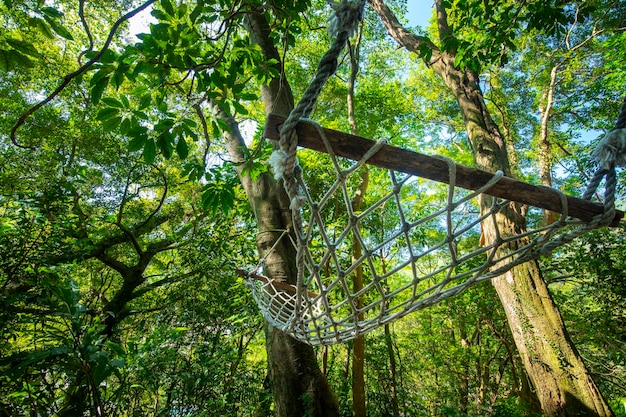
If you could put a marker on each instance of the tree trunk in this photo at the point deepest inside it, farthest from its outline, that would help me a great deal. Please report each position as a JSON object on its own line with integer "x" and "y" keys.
{"x": 393, "y": 379}
{"x": 296, "y": 381}
{"x": 545, "y": 153}
{"x": 562, "y": 382}
{"x": 358, "y": 351}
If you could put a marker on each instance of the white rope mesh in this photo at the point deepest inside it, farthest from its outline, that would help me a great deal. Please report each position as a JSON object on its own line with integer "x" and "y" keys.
{"x": 412, "y": 255}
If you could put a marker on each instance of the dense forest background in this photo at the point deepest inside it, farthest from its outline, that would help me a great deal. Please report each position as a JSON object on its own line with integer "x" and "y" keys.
{"x": 125, "y": 203}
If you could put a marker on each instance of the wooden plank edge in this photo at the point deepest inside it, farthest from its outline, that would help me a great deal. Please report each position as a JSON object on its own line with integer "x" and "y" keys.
{"x": 436, "y": 169}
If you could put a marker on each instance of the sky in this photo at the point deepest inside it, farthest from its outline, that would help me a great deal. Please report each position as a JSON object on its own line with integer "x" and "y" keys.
{"x": 419, "y": 12}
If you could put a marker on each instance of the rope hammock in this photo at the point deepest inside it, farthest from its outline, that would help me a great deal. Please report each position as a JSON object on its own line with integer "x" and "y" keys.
{"x": 355, "y": 272}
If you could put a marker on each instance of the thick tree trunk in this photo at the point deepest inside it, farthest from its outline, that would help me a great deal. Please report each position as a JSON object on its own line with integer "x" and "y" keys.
{"x": 562, "y": 382}
{"x": 296, "y": 381}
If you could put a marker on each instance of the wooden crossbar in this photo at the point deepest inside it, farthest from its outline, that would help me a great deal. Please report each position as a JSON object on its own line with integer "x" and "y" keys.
{"x": 436, "y": 169}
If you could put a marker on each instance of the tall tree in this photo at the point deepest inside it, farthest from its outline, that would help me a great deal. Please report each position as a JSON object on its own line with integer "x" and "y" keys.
{"x": 559, "y": 376}
{"x": 298, "y": 385}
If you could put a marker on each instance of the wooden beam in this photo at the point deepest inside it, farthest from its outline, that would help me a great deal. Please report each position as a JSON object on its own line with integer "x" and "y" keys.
{"x": 436, "y": 169}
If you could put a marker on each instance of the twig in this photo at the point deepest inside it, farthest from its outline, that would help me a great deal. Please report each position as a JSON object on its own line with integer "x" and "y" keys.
{"x": 81, "y": 13}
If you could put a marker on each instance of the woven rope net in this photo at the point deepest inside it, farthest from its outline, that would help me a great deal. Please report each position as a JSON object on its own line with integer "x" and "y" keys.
{"x": 416, "y": 243}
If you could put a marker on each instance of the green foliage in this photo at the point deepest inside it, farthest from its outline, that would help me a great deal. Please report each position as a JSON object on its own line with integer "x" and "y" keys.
{"x": 485, "y": 32}
{"x": 119, "y": 234}
{"x": 218, "y": 194}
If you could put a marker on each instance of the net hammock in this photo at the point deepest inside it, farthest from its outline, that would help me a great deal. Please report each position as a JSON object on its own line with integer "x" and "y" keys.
{"x": 360, "y": 269}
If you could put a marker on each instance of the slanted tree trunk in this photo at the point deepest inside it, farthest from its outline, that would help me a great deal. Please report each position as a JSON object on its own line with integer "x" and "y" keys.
{"x": 296, "y": 381}
{"x": 561, "y": 380}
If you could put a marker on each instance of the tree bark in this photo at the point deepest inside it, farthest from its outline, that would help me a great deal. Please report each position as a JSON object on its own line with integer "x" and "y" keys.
{"x": 544, "y": 156}
{"x": 561, "y": 380}
{"x": 296, "y": 381}
{"x": 358, "y": 351}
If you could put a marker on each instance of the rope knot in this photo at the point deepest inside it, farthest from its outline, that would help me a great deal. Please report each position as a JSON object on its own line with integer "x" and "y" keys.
{"x": 278, "y": 161}
{"x": 612, "y": 149}
{"x": 348, "y": 14}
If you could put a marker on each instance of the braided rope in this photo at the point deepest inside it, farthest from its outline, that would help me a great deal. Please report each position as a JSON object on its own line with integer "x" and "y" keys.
{"x": 343, "y": 23}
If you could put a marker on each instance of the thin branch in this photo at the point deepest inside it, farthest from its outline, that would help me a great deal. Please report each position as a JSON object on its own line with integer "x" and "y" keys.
{"x": 69, "y": 77}
{"x": 161, "y": 202}
{"x": 81, "y": 14}
{"x": 205, "y": 131}
{"x": 120, "y": 212}
{"x": 409, "y": 40}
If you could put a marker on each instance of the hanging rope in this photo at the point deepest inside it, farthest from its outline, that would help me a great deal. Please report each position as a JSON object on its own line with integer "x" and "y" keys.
{"x": 343, "y": 23}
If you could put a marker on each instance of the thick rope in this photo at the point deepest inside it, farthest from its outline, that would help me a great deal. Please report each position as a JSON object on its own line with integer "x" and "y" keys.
{"x": 344, "y": 22}
{"x": 283, "y": 161}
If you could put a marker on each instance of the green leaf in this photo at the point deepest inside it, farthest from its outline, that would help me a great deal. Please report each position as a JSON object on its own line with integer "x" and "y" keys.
{"x": 98, "y": 89}
{"x": 13, "y": 59}
{"x": 5, "y": 60}
{"x": 190, "y": 123}
{"x": 112, "y": 123}
{"x": 181, "y": 148}
{"x": 195, "y": 12}
{"x": 137, "y": 143}
{"x": 145, "y": 101}
{"x": 167, "y": 6}
{"x": 125, "y": 101}
{"x": 51, "y": 12}
{"x": 21, "y": 60}
{"x": 140, "y": 115}
{"x": 125, "y": 126}
{"x": 59, "y": 29}
{"x": 107, "y": 113}
{"x": 165, "y": 144}
{"x": 112, "y": 102}
{"x": 247, "y": 96}
{"x": 116, "y": 363}
{"x": 120, "y": 74}
{"x": 23, "y": 47}
{"x": 119, "y": 350}
{"x": 100, "y": 74}
{"x": 40, "y": 25}
{"x": 158, "y": 15}
{"x": 239, "y": 108}
{"x": 149, "y": 151}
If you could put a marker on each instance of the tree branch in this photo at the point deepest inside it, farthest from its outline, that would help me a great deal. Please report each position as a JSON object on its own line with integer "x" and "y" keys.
{"x": 161, "y": 201}
{"x": 69, "y": 77}
{"x": 113, "y": 263}
{"x": 412, "y": 42}
{"x": 81, "y": 14}
{"x": 105, "y": 244}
